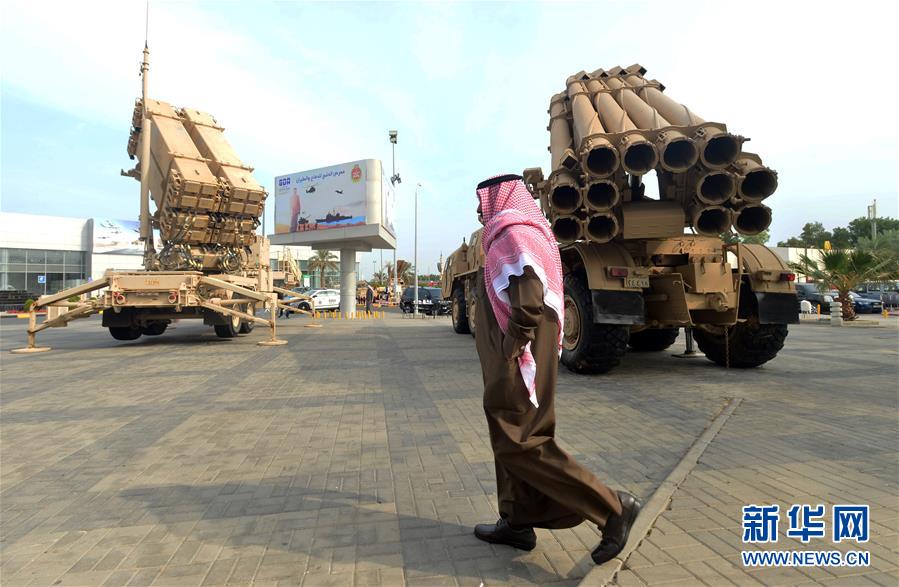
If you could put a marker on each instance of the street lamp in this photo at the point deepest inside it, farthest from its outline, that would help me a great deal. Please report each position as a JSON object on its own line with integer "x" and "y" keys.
{"x": 415, "y": 255}
{"x": 394, "y": 180}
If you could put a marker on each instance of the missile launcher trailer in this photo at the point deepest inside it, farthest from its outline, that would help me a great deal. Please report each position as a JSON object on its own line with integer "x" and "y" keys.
{"x": 633, "y": 278}
{"x": 210, "y": 265}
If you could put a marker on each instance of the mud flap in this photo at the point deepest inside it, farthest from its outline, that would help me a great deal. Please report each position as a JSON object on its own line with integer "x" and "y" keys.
{"x": 123, "y": 318}
{"x": 617, "y": 307}
{"x": 778, "y": 308}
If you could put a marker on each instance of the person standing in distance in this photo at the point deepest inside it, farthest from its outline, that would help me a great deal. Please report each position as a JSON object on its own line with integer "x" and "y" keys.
{"x": 520, "y": 310}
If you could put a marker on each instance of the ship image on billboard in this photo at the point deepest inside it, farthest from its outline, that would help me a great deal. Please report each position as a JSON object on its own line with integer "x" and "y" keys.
{"x": 321, "y": 199}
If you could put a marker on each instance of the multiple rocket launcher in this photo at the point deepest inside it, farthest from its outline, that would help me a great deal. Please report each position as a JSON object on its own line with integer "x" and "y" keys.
{"x": 207, "y": 202}
{"x": 611, "y": 127}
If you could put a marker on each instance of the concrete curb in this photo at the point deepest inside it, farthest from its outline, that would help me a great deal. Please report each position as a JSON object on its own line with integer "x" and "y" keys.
{"x": 658, "y": 503}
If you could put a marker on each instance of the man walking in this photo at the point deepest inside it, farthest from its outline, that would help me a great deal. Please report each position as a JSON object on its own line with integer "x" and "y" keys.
{"x": 519, "y": 317}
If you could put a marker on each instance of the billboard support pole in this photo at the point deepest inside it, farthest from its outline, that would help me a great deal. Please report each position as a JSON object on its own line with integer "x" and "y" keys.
{"x": 348, "y": 282}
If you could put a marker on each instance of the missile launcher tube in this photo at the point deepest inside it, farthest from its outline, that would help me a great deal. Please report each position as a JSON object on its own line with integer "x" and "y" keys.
{"x": 709, "y": 220}
{"x": 564, "y": 192}
{"x": 717, "y": 148}
{"x": 752, "y": 219}
{"x": 561, "y": 153}
{"x": 637, "y": 154}
{"x": 567, "y": 228}
{"x": 601, "y": 227}
{"x": 597, "y": 155}
{"x": 756, "y": 182}
{"x": 677, "y": 149}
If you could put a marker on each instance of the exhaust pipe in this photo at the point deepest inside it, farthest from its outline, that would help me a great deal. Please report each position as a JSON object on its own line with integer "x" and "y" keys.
{"x": 567, "y": 229}
{"x": 717, "y": 148}
{"x": 679, "y": 153}
{"x": 601, "y": 195}
{"x": 710, "y": 220}
{"x": 598, "y": 157}
{"x": 638, "y": 155}
{"x": 564, "y": 192}
{"x": 756, "y": 181}
{"x": 601, "y": 227}
{"x": 752, "y": 219}
{"x": 561, "y": 153}
{"x": 716, "y": 187}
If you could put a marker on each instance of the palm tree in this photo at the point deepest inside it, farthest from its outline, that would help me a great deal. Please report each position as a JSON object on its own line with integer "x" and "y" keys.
{"x": 844, "y": 271}
{"x": 405, "y": 271}
{"x": 379, "y": 277}
{"x": 322, "y": 261}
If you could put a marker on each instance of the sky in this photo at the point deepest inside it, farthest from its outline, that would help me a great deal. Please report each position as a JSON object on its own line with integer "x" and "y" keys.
{"x": 466, "y": 85}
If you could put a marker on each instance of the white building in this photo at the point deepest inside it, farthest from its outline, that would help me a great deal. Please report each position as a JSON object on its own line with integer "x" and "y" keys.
{"x": 44, "y": 254}
{"x": 794, "y": 255}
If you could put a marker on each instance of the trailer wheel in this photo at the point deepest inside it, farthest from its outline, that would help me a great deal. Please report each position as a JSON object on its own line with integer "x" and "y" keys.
{"x": 132, "y": 332}
{"x": 247, "y": 326}
{"x": 229, "y": 329}
{"x": 652, "y": 340}
{"x": 750, "y": 344}
{"x": 460, "y": 313}
{"x": 155, "y": 328}
{"x": 588, "y": 347}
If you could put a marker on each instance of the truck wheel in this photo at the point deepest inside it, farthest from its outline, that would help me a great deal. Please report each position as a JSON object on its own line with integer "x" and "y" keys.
{"x": 155, "y": 328}
{"x": 230, "y": 329}
{"x": 472, "y": 316}
{"x": 652, "y": 340}
{"x": 588, "y": 347}
{"x": 460, "y": 313}
{"x": 125, "y": 332}
{"x": 247, "y": 326}
{"x": 751, "y": 344}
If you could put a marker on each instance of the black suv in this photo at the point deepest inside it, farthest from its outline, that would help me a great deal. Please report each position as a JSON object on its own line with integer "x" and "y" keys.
{"x": 810, "y": 292}
{"x": 430, "y": 301}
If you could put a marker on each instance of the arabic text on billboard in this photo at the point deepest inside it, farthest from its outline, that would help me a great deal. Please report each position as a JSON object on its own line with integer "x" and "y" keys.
{"x": 321, "y": 199}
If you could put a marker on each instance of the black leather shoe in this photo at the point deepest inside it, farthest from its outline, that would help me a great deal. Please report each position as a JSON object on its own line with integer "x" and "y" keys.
{"x": 503, "y": 533}
{"x": 617, "y": 529}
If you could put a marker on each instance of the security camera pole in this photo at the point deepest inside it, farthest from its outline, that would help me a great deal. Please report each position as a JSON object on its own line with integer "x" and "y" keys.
{"x": 394, "y": 179}
{"x": 415, "y": 256}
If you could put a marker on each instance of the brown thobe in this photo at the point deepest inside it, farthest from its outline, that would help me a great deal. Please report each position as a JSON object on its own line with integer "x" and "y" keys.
{"x": 538, "y": 483}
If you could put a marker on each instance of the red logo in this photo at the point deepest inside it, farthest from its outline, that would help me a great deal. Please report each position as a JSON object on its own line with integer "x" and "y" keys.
{"x": 356, "y": 173}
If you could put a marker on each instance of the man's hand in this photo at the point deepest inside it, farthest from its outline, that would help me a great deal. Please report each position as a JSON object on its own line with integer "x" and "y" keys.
{"x": 512, "y": 349}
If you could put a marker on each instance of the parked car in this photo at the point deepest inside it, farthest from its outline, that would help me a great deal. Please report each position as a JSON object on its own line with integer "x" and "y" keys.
{"x": 810, "y": 292}
{"x": 430, "y": 301}
{"x": 322, "y": 299}
{"x": 887, "y": 292}
{"x": 865, "y": 304}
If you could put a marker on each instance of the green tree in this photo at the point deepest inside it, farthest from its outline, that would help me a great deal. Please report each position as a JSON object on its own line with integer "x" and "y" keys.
{"x": 843, "y": 271}
{"x": 322, "y": 262}
{"x": 885, "y": 247}
{"x": 379, "y": 277}
{"x": 841, "y": 238}
{"x": 861, "y": 227}
{"x": 749, "y": 239}
{"x": 812, "y": 236}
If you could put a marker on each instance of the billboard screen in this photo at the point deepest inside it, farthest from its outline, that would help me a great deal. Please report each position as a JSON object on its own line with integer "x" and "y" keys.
{"x": 350, "y": 203}
{"x": 120, "y": 237}
{"x": 321, "y": 199}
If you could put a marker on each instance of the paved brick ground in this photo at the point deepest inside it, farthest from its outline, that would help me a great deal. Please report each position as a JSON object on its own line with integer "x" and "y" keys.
{"x": 358, "y": 455}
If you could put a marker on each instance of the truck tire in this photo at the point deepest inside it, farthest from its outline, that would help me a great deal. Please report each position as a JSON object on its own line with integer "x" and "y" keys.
{"x": 460, "y": 312}
{"x": 652, "y": 340}
{"x": 472, "y": 308}
{"x": 247, "y": 326}
{"x": 155, "y": 328}
{"x": 132, "y": 332}
{"x": 230, "y": 329}
{"x": 588, "y": 347}
{"x": 751, "y": 344}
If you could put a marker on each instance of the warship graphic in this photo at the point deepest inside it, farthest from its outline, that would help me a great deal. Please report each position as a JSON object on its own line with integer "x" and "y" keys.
{"x": 332, "y": 217}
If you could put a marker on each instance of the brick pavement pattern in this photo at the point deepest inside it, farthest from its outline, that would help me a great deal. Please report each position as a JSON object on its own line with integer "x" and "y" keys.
{"x": 358, "y": 455}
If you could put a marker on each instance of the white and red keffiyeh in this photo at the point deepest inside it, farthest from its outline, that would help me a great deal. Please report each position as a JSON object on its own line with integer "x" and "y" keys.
{"x": 517, "y": 235}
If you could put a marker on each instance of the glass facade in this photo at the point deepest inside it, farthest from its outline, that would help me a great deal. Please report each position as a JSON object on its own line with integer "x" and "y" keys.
{"x": 20, "y": 269}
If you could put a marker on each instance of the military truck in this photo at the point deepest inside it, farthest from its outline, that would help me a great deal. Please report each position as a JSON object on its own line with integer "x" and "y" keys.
{"x": 637, "y": 269}
{"x": 210, "y": 264}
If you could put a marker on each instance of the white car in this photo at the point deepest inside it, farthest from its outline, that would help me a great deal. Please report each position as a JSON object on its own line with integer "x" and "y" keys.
{"x": 324, "y": 299}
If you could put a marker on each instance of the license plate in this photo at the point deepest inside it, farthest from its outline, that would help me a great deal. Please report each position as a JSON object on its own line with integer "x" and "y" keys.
{"x": 640, "y": 282}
